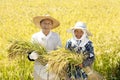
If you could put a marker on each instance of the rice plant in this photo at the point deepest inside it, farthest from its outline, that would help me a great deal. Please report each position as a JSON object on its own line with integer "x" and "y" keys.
{"x": 101, "y": 16}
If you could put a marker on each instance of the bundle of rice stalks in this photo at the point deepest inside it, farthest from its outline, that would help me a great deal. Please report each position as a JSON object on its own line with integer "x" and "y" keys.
{"x": 17, "y": 48}
{"x": 58, "y": 61}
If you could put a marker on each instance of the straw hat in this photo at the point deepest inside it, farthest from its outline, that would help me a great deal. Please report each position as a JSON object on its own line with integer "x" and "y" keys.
{"x": 80, "y": 25}
{"x": 37, "y": 20}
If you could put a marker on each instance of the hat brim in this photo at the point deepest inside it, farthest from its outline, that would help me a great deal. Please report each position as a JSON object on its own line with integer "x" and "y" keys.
{"x": 37, "y": 20}
{"x": 71, "y": 30}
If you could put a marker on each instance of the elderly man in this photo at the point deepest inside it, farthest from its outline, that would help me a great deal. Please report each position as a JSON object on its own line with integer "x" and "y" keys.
{"x": 50, "y": 40}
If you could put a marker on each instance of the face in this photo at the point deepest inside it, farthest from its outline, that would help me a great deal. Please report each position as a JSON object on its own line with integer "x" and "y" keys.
{"x": 46, "y": 24}
{"x": 78, "y": 33}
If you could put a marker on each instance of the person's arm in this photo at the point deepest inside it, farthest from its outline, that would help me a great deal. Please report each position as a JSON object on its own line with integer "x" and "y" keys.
{"x": 68, "y": 45}
{"x": 32, "y": 56}
{"x": 90, "y": 55}
{"x": 59, "y": 42}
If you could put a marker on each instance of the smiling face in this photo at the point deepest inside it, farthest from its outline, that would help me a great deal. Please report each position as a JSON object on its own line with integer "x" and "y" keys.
{"x": 46, "y": 25}
{"x": 78, "y": 33}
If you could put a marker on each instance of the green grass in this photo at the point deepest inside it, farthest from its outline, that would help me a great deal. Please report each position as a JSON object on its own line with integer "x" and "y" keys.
{"x": 102, "y": 18}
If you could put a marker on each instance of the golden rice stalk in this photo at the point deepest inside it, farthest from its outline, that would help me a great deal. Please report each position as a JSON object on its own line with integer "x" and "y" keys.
{"x": 24, "y": 47}
{"x": 59, "y": 59}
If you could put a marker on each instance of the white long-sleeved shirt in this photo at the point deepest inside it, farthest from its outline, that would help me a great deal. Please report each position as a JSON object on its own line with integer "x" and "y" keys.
{"x": 50, "y": 42}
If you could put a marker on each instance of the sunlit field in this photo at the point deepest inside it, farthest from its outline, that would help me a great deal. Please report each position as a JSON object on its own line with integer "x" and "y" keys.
{"x": 101, "y": 16}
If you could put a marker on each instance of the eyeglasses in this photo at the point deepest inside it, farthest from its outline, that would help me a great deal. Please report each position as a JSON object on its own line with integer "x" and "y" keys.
{"x": 47, "y": 23}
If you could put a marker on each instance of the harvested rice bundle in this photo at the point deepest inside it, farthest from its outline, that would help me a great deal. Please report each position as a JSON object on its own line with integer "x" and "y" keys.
{"x": 25, "y": 47}
{"x": 58, "y": 61}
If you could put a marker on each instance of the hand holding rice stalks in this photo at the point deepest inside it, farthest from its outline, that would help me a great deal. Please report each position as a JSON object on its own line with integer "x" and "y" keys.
{"x": 24, "y": 47}
{"x": 58, "y": 60}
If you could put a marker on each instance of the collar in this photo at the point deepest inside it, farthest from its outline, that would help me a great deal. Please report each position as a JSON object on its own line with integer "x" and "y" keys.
{"x": 84, "y": 40}
{"x": 44, "y": 36}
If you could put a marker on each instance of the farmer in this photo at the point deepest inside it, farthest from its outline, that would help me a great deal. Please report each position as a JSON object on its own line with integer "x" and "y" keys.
{"x": 80, "y": 44}
{"x": 48, "y": 39}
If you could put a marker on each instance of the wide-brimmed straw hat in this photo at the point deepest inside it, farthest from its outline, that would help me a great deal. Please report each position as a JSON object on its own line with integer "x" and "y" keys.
{"x": 80, "y": 25}
{"x": 38, "y": 19}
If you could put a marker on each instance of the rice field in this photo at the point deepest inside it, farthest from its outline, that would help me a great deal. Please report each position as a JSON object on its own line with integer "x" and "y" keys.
{"x": 101, "y": 16}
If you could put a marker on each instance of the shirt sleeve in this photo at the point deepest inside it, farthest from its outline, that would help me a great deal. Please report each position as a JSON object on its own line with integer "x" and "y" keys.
{"x": 34, "y": 39}
{"x": 59, "y": 42}
{"x": 68, "y": 44}
{"x": 89, "y": 53}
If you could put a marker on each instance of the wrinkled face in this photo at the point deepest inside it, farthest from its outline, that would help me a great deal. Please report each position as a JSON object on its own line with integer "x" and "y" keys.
{"x": 46, "y": 24}
{"x": 78, "y": 33}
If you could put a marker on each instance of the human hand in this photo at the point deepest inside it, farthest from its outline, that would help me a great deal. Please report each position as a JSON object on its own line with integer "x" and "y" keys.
{"x": 81, "y": 65}
{"x": 33, "y": 56}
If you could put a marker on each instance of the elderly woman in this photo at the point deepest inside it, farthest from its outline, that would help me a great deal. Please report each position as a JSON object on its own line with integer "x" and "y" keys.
{"x": 48, "y": 39}
{"x": 80, "y": 44}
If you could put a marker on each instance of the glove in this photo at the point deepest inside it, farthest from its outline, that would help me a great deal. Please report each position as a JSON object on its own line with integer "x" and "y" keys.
{"x": 33, "y": 56}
